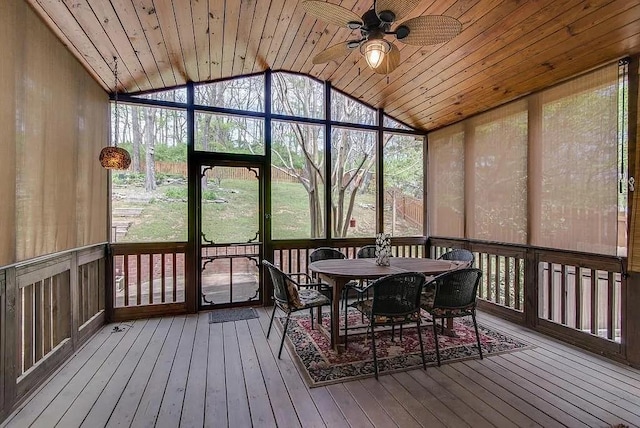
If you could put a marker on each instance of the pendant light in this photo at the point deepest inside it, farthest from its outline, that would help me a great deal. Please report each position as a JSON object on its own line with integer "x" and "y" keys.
{"x": 114, "y": 157}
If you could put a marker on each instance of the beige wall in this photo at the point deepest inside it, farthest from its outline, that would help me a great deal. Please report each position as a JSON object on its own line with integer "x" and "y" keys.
{"x": 53, "y": 121}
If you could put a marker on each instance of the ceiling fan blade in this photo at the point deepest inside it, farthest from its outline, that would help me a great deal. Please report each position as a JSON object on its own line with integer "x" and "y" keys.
{"x": 332, "y": 13}
{"x": 391, "y": 61}
{"x": 332, "y": 52}
{"x": 400, "y": 8}
{"x": 430, "y": 30}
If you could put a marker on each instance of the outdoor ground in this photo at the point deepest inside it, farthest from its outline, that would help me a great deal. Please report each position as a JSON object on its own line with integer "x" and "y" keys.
{"x": 229, "y": 212}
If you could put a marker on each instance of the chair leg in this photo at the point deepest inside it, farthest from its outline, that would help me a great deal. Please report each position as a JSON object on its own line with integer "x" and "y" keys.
{"x": 400, "y": 333}
{"x": 424, "y": 363}
{"x": 284, "y": 334}
{"x": 393, "y": 332}
{"x": 373, "y": 345}
{"x": 273, "y": 313}
{"x": 475, "y": 325}
{"x": 435, "y": 338}
{"x": 311, "y": 314}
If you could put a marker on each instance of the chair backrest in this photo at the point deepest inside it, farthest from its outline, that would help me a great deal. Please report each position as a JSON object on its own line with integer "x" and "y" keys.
{"x": 456, "y": 289}
{"x": 366, "y": 252}
{"x": 460, "y": 255}
{"x": 397, "y": 294}
{"x": 283, "y": 288}
{"x": 324, "y": 253}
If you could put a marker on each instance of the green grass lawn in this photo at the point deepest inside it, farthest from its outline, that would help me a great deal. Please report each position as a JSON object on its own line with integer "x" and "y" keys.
{"x": 230, "y": 214}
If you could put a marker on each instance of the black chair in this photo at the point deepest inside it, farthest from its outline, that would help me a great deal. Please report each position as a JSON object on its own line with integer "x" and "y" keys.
{"x": 452, "y": 295}
{"x": 366, "y": 252}
{"x": 292, "y": 296}
{"x": 326, "y": 253}
{"x": 460, "y": 255}
{"x": 396, "y": 300}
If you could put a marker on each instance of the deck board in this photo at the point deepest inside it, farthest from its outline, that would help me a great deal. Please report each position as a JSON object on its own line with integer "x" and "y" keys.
{"x": 184, "y": 371}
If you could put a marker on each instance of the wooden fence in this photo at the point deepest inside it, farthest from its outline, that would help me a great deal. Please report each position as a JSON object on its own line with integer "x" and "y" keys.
{"x": 48, "y": 308}
{"x": 407, "y": 207}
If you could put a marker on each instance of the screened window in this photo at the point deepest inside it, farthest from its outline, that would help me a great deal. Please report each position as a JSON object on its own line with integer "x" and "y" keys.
{"x": 446, "y": 182}
{"x": 577, "y": 161}
{"x": 403, "y": 188}
{"x": 353, "y": 184}
{"x": 391, "y": 123}
{"x": 149, "y": 200}
{"x": 178, "y": 95}
{"x": 241, "y": 94}
{"x": 229, "y": 134}
{"x": 295, "y": 95}
{"x": 497, "y": 175}
{"x": 297, "y": 180}
{"x": 345, "y": 109}
{"x": 542, "y": 171}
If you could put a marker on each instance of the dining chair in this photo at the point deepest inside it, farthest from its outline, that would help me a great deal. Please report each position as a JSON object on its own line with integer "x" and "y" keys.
{"x": 396, "y": 300}
{"x": 452, "y": 295}
{"x": 291, "y": 296}
{"x": 326, "y": 253}
{"x": 459, "y": 254}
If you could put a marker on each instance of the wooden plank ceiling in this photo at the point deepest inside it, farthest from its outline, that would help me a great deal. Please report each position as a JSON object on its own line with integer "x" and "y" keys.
{"x": 506, "y": 49}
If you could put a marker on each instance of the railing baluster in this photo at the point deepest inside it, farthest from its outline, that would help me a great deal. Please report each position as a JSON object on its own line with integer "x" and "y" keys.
{"x": 174, "y": 269}
{"x": 151, "y": 258}
{"x": 550, "y": 299}
{"x": 163, "y": 281}
{"x": 507, "y": 281}
{"x": 47, "y": 317}
{"x": 126, "y": 280}
{"x": 578, "y": 298}
{"x": 610, "y": 305}
{"x": 517, "y": 280}
{"x": 38, "y": 329}
{"x": 138, "y": 279}
{"x": 594, "y": 302}
{"x": 563, "y": 294}
{"x": 27, "y": 327}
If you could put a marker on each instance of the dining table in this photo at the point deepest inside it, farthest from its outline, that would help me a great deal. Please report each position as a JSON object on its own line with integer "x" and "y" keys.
{"x": 338, "y": 272}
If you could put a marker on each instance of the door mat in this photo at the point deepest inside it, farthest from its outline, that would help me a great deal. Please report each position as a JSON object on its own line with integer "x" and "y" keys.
{"x": 232, "y": 314}
{"x": 320, "y": 365}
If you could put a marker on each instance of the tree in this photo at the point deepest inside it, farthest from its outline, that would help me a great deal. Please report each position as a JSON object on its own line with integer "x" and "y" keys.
{"x": 298, "y": 149}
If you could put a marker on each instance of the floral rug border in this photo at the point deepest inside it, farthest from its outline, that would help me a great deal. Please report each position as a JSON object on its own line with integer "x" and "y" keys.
{"x": 317, "y": 370}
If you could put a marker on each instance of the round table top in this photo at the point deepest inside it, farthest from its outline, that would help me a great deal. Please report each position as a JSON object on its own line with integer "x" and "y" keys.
{"x": 367, "y": 268}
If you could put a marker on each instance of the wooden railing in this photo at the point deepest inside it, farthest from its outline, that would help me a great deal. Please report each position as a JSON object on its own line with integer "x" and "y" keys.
{"x": 148, "y": 279}
{"x": 48, "y": 308}
{"x": 574, "y": 296}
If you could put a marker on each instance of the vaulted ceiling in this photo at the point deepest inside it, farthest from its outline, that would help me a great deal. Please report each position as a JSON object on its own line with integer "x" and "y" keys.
{"x": 506, "y": 48}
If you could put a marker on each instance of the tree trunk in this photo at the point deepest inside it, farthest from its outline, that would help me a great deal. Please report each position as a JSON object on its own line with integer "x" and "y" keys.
{"x": 136, "y": 138}
{"x": 150, "y": 182}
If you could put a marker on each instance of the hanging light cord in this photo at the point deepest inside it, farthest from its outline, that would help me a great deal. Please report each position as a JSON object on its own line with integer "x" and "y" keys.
{"x": 115, "y": 107}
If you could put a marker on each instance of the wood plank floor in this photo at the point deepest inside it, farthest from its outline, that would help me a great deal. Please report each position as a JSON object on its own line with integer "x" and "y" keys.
{"x": 183, "y": 371}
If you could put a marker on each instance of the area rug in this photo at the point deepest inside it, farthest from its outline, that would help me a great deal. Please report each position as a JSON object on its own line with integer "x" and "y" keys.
{"x": 234, "y": 314}
{"x": 320, "y": 365}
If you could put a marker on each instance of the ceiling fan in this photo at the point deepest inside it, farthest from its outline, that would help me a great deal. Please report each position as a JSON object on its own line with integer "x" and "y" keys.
{"x": 381, "y": 55}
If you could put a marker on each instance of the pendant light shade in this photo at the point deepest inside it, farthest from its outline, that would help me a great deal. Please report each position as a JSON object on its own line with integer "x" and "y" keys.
{"x": 374, "y": 51}
{"x": 114, "y": 157}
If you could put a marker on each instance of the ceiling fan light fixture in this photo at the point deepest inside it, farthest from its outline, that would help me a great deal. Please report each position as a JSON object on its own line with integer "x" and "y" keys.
{"x": 374, "y": 51}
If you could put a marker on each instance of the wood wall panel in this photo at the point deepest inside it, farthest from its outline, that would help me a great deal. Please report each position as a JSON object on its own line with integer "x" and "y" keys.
{"x": 54, "y": 121}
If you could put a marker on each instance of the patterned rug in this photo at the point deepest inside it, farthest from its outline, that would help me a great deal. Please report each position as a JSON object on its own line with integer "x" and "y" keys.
{"x": 320, "y": 365}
